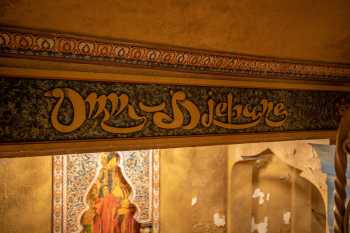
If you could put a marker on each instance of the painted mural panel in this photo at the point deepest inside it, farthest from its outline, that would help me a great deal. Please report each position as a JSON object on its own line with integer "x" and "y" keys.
{"x": 50, "y": 110}
{"x": 106, "y": 192}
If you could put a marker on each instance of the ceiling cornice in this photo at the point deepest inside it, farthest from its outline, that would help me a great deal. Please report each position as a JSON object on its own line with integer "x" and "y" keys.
{"x": 81, "y": 49}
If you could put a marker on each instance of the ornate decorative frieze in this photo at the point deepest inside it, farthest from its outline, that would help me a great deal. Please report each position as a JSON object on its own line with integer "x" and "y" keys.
{"x": 69, "y": 48}
{"x": 34, "y": 110}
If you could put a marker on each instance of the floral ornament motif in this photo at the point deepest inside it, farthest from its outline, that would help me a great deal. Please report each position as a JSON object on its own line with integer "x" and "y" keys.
{"x": 54, "y": 46}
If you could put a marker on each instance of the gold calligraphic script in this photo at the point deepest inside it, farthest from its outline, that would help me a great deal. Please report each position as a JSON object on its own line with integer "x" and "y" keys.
{"x": 223, "y": 114}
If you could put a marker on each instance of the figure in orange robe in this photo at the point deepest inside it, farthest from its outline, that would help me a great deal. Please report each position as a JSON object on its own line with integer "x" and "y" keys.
{"x": 97, "y": 219}
{"x": 127, "y": 210}
{"x": 114, "y": 213}
{"x": 107, "y": 209}
{"x": 128, "y": 224}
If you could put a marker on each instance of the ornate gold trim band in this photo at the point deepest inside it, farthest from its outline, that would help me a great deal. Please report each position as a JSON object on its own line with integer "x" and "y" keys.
{"x": 71, "y": 48}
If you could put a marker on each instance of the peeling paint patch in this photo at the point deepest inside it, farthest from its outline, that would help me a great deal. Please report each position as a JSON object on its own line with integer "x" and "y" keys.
{"x": 219, "y": 220}
{"x": 259, "y": 227}
{"x": 286, "y": 217}
{"x": 259, "y": 194}
{"x": 194, "y": 200}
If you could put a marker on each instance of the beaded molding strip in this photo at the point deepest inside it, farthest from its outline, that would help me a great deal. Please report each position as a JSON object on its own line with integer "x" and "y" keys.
{"x": 71, "y": 48}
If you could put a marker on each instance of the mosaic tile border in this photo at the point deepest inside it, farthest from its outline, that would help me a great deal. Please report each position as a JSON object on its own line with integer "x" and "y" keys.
{"x": 57, "y": 194}
{"x": 71, "y": 48}
{"x": 30, "y": 112}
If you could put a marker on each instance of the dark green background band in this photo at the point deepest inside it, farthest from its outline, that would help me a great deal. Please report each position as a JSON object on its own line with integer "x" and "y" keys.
{"x": 25, "y": 111}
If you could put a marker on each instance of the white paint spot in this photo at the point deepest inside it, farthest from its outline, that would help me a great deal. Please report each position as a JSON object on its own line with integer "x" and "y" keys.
{"x": 259, "y": 194}
{"x": 219, "y": 220}
{"x": 286, "y": 217}
{"x": 259, "y": 227}
{"x": 194, "y": 200}
{"x": 268, "y": 197}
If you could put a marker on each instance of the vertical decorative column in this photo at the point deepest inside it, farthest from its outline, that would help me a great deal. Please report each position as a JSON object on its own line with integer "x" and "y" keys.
{"x": 326, "y": 154}
{"x": 340, "y": 163}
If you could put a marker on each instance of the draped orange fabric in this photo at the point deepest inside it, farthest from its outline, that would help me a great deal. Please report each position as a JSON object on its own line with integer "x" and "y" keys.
{"x": 110, "y": 205}
{"x": 105, "y": 221}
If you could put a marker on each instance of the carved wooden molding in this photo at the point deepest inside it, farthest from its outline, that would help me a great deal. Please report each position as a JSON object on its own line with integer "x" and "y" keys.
{"x": 71, "y": 48}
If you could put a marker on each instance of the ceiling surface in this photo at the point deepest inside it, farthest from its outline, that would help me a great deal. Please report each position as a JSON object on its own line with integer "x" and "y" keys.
{"x": 301, "y": 29}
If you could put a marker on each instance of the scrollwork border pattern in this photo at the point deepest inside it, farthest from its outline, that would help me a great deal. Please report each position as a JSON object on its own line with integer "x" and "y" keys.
{"x": 71, "y": 48}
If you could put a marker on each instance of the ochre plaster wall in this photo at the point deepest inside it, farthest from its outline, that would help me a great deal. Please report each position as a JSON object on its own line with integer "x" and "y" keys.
{"x": 296, "y": 154}
{"x": 193, "y": 181}
{"x": 317, "y": 30}
{"x": 25, "y": 195}
{"x": 193, "y": 190}
{"x": 277, "y": 200}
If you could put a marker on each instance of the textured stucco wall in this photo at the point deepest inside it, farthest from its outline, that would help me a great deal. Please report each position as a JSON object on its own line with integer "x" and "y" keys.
{"x": 279, "y": 200}
{"x": 196, "y": 187}
{"x": 296, "y": 154}
{"x": 193, "y": 190}
{"x": 198, "y": 175}
{"x": 25, "y": 195}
